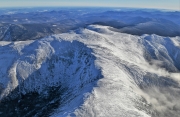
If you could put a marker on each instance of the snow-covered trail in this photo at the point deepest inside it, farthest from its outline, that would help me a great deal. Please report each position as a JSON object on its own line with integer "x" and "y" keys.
{"x": 121, "y": 64}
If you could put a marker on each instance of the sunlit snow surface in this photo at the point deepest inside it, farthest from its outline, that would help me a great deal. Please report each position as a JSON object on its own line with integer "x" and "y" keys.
{"x": 129, "y": 66}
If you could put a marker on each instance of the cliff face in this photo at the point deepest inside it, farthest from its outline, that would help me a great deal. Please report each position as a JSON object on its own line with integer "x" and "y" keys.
{"x": 90, "y": 72}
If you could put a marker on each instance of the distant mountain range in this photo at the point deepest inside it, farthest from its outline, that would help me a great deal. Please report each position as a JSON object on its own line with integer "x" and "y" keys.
{"x": 31, "y": 25}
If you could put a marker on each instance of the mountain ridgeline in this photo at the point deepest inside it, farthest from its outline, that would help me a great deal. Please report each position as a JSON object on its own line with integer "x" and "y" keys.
{"x": 89, "y": 62}
{"x": 91, "y": 68}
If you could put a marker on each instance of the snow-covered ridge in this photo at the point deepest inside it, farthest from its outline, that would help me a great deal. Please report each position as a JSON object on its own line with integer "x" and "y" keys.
{"x": 124, "y": 66}
{"x": 47, "y": 62}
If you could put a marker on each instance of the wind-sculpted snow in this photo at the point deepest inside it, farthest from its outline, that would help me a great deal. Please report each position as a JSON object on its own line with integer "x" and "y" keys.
{"x": 92, "y": 72}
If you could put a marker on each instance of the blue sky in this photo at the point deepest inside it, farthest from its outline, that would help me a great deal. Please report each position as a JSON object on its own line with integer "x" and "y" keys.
{"x": 162, "y": 4}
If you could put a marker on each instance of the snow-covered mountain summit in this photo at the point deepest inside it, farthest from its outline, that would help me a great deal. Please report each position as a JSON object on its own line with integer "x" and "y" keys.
{"x": 91, "y": 72}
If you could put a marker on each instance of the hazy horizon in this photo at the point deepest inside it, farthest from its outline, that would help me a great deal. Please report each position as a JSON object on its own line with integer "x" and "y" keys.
{"x": 160, "y": 4}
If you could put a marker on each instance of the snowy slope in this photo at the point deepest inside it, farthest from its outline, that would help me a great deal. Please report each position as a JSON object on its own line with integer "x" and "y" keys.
{"x": 105, "y": 73}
